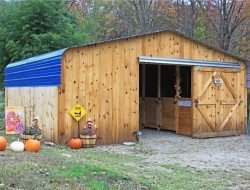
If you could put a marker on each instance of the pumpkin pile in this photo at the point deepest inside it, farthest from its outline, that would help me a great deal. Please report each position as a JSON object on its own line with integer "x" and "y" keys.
{"x": 30, "y": 145}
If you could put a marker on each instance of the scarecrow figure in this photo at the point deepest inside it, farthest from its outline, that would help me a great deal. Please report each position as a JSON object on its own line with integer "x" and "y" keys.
{"x": 90, "y": 128}
{"x": 34, "y": 123}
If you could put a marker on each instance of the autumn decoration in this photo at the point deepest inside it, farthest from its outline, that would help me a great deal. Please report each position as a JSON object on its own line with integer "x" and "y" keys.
{"x": 89, "y": 134}
{"x": 14, "y": 120}
{"x": 17, "y": 146}
{"x": 32, "y": 145}
{"x": 75, "y": 143}
{"x": 32, "y": 132}
{"x": 3, "y": 143}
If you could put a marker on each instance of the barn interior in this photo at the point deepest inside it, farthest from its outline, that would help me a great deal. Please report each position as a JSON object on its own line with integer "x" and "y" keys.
{"x": 165, "y": 98}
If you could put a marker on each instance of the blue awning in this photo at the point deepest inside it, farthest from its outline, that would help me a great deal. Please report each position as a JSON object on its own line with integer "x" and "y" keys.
{"x": 41, "y": 70}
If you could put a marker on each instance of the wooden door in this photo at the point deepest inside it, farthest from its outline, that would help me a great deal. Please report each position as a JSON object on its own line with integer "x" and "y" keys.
{"x": 150, "y": 101}
{"x": 218, "y": 102}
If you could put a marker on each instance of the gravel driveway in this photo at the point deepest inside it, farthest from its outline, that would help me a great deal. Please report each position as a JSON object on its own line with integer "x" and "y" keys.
{"x": 159, "y": 147}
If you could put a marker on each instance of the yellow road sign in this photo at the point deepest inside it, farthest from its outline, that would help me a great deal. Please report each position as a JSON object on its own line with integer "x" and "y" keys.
{"x": 77, "y": 112}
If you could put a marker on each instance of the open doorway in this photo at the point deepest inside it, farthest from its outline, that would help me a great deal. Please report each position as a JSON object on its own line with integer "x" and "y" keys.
{"x": 165, "y": 97}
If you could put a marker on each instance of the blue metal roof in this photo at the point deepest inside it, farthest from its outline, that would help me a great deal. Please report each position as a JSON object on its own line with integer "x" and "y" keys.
{"x": 41, "y": 70}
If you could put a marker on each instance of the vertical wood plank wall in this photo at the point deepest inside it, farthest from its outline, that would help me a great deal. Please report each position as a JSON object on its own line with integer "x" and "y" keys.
{"x": 104, "y": 78}
{"x": 185, "y": 121}
{"x": 168, "y": 114}
{"x": 37, "y": 101}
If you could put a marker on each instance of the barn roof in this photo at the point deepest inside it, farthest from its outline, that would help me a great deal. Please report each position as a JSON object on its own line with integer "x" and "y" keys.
{"x": 163, "y": 31}
{"x": 45, "y": 69}
{"x": 41, "y": 70}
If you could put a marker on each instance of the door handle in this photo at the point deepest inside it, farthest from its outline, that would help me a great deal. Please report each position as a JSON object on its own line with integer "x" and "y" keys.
{"x": 157, "y": 100}
{"x": 196, "y": 102}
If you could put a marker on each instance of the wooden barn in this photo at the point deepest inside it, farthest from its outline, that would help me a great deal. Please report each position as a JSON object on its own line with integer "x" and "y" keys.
{"x": 163, "y": 80}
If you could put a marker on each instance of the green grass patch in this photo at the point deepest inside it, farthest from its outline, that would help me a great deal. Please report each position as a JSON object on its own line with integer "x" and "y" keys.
{"x": 94, "y": 177}
{"x": 188, "y": 178}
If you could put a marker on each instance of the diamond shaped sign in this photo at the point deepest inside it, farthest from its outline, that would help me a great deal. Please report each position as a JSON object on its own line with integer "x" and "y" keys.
{"x": 77, "y": 112}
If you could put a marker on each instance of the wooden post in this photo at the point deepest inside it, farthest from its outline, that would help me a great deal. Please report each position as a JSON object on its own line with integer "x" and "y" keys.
{"x": 143, "y": 93}
{"x": 78, "y": 128}
{"x": 159, "y": 102}
{"x": 177, "y": 96}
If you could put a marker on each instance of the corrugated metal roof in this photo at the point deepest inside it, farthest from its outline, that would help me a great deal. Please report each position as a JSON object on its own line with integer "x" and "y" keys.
{"x": 42, "y": 70}
{"x": 187, "y": 62}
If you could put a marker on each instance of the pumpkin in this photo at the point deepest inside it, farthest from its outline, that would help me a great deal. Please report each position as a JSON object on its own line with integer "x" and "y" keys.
{"x": 75, "y": 143}
{"x": 3, "y": 143}
{"x": 17, "y": 146}
{"x": 32, "y": 145}
{"x": 10, "y": 128}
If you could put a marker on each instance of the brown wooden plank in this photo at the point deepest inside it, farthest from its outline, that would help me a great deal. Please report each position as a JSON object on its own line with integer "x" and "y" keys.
{"x": 115, "y": 91}
{"x": 228, "y": 102}
{"x": 168, "y": 114}
{"x": 228, "y": 85}
{"x": 228, "y": 133}
{"x": 211, "y": 125}
{"x": 185, "y": 121}
{"x": 205, "y": 135}
{"x": 228, "y": 117}
{"x": 96, "y": 90}
{"x": 225, "y": 70}
{"x": 177, "y": 96}
{"x": 204, "y": 88}
{"x": 159, "y": 103}
{"x": 206, "y": 102}
{"x": 134, "y": 87}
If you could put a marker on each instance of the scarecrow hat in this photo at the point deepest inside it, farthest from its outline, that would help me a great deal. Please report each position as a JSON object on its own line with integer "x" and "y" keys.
{"x": 89, "y": 120}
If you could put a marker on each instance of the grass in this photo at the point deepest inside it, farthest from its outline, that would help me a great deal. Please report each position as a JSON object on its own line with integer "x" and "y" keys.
{"x": 61, "y": 168}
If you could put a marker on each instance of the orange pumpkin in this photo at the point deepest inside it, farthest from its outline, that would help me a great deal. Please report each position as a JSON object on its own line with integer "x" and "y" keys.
{"x": 75, "y": 143}
{"x": 10, "y": 128}
{"x": 32, "y": 145}
{"x": 3, "y": 143}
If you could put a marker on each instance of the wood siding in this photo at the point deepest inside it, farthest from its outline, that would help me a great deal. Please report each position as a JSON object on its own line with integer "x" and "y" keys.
{"x": 37, "y": 101}
{"x": 104, "y": 78}
{"x": 219, "y": 110}
{"x": 185, "y": 121}
{"x": 168, "y": 114}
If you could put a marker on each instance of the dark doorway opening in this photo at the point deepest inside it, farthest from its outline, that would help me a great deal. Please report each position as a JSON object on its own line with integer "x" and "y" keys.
{"x": 161, "y": 88}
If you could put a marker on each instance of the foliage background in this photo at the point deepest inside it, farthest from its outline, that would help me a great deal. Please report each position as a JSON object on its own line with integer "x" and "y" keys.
{"x": 32, "y": 27}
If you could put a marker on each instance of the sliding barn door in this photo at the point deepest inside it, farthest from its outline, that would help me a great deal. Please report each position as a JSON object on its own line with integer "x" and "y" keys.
{"x": 218, "y": 102}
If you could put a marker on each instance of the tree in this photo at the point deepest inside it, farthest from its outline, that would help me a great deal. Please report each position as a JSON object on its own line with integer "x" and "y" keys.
{"x": 141, "y": 16}
{"x": 225, "y": 18}
{"x": 28, "y": 28}
{"x": 189, "y": 19}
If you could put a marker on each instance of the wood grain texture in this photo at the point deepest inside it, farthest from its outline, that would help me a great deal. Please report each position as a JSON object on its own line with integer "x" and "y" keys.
{"x": 104, "y": 79}
{"x": 108, "y": 84}
{"x": 217, "y": 107}
{"x": 41, "y": 102}
{"x": 185, "y": 121}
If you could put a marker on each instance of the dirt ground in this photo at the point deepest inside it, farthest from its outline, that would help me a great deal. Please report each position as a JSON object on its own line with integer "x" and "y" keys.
{"x": 159, "y": 147}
